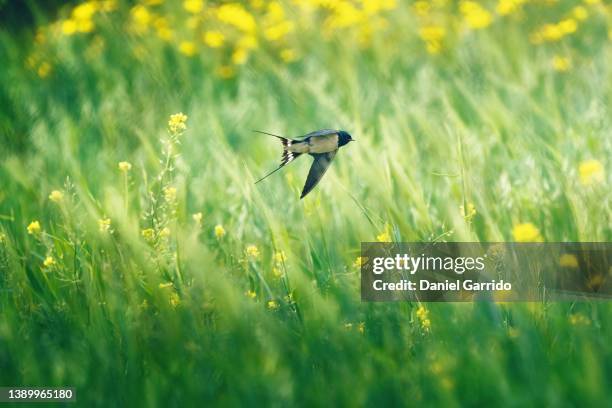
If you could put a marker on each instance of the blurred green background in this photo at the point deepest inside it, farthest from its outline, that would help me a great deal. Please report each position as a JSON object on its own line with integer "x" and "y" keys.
{"x": 140, "y": 264}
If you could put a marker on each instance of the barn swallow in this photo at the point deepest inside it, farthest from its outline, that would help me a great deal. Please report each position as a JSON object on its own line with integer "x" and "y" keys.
{"x": 321, "y": 144}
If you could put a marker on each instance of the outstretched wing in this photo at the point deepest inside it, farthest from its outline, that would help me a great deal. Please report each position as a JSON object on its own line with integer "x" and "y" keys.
{"x": 317, "y": 170}
{"x": 322, "y": 132}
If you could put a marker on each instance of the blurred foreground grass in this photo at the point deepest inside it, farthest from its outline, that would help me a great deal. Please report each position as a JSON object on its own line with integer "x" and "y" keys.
{"x": 139, "y": 263}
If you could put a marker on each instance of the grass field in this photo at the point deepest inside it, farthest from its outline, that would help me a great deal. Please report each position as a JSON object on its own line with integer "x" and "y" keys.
{"x": 140, "y": 264}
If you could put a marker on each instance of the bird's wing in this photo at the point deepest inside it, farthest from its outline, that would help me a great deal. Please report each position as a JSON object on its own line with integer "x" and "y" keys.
{"x": 317, "y": 170}
{"x": 322, "y": 132}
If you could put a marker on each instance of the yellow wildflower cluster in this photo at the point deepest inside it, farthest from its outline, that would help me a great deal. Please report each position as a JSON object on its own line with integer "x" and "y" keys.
{"x": 591, "y": 172}
{"x": 252, "y": 252}
{"x": 49, "y": 262}
{"x": 423, "y": 316}
{"x": 170, "y": 194}
{"x": 468, "y": 213}
{"x": 104, "y": 224}
{"x": 475, "y": 16}
{"x": 124, "y": 166}
{"x": 433, "y": 36}
{"x": 561, "y": 64}
{"x": 359, "y": 261}
{"x": 505, "y": 7}
{"x": 526, "y": 232}
{"x": 34, "y": 228}
{"x": 279, "y": 264}
{"x": 578, "y": 319}
{"x": 56, "y": 196}
{"x": 177, "y": 123}
{"x": 384, "y": 236}
{"x": 219, "y": 231}
{"x": 148, "y": 234}
{"x": 230, "y": 33}
{"x": 555, "y": 31}
{"x": 568, "y": 261}
{"x": 81, "y": 18}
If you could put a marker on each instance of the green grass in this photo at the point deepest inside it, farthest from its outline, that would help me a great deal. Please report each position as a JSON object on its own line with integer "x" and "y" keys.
{"x": 487, "y": 122}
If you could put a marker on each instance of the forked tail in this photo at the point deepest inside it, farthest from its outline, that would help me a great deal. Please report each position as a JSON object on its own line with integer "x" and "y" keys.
{"x": 287, "y": 156}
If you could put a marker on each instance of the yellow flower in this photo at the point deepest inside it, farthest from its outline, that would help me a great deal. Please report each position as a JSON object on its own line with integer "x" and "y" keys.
{"x": 468, "y": 214}
{"x": 361, "y": 327}
{"x": 279, "y": 257}
{"x": 561, "y": 64}
{"x": 187, "y": 48}
{"x": 359, "y": 261}
{"x": 69, "y": 27}
{"x": 421, "y": 7}
{"x": 34, "y": 228}
{"x": 591, "y": 172}
{"x": 278, "y": 31}
{"x": 288, "y": 55}
{"x": 125, "y": 166}
{"x": 526, "y": 232}
{"x": 505, "y": 7}
{"x": 170, "y": 194}
{"x": 596, "y": 281}
{"x": 197, "y": 217}
{"x": 165, "y": 285}
{"x": 236, "y": 15}
{"x": 568, "y": 26}
{"x": 104, "y": 224}
{"x": 384, "y": 236}
{"x": 108, "y": 5}
{"x": 175, "y": 300}
{"x": 248, "y": 42}
{"x": 85, "y": 26}
{"x": 579, "y": 319}
{"x": 164, "y": 232}
{"x": 277, "y": 272}
{"x": 48, "y": 262}
{"x": 2, "y": 237}
{"x": 580, "y": 13}
{"x": 84, "y": 11}
{"x": 272, "y": 305}
{"x": 193, "y": 6}
{"x": 56, "y": 196}
{"x": 252, "y": 251}
{"x": 177, "y": 123}
{"x": 214, "y": 39}
{"x": 251, "y": 294}
{"x": 475, "y": 15}
{"x": 163, "y": 29}
{"x": 433, "y": 36}
{"x": 141, "y": 16}
{"x": 568, "y": 261}
{"x": 219, "y": 231}
{"x": 44, "y": 69}
{"x": 423, "y": 316}
{"x": 422, "y": 313}
{"x": 148, "y": 233}
{"x": 240, "y": 56}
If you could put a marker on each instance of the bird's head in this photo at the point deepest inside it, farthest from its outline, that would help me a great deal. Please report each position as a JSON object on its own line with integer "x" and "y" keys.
{"x": 344, "y": 138}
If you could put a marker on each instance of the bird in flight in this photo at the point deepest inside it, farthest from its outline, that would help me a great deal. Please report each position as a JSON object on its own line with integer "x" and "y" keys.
{"x": 321, "y": 144}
